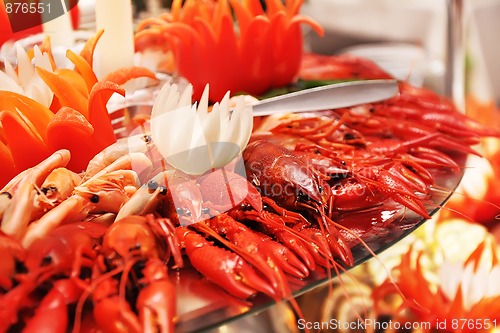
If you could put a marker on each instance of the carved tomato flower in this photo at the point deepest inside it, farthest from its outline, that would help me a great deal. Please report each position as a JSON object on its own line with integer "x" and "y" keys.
{"x": 451, "y": 279}
{"x": 77, "y": 119}
{"x": 257, "y": 51}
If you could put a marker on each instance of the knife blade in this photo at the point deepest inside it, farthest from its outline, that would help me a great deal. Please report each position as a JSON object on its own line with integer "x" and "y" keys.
{"x": 332, "y": 96}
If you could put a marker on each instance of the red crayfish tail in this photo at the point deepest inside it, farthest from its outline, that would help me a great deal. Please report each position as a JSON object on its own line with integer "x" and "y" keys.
{"x": 285, "y": 258}
{"x": 398, "y": 191}
{"x": 296, "y": 245}
{"x": 432, "y": 158}
{"x": 292, "y": 238}
{"x": 274, "y": 225}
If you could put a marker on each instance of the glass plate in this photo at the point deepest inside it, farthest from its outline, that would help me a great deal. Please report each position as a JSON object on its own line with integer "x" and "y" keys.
{"x": 202, "y": 305}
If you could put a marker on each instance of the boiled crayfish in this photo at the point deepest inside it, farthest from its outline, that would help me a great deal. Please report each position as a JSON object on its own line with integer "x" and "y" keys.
{"x": 93, "y": 235}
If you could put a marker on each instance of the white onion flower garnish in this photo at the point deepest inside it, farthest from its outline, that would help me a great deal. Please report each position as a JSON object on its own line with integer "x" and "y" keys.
{"x": 193, "y": 139}
{"x": 26, "y": 81}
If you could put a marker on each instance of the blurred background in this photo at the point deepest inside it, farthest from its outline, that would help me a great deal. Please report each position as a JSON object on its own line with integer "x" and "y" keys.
{"x": 409, "y": 38}
{"x": 406, "y": 37}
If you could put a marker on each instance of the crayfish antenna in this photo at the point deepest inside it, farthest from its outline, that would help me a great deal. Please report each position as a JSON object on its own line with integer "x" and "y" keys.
{"x": 88, "y": 291}
{"x": 323, "y": 226}
{"x": 455, "y": 192}
{"x": 168, "y": 230}
{"x": 326, "y": 226}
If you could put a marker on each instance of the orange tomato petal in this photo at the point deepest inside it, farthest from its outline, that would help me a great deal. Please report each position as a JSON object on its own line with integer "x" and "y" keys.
{"x": 7, "y": 163}
{"x": 122, "y": 75}
{"x": 37, "y": 114}
{"x": 26, "y": 147}
{"x": 67, "y": 94}
{"x": 46, "y": 47}
{"x": 274, "y": 7}
{"x": 98, "y": 113}
{"x": 69, "y": 129}
{"x": 243, "y": 16}
{"x": 83, "y": 67}
{"x": 88, "y": 49}
{"x": 254, "y": 7}
{"x": 74, "y": 79}
{"x": 310, "y": 22}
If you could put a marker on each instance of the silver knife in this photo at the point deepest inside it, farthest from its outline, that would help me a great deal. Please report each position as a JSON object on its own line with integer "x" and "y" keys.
{"x": 333, "y": 96}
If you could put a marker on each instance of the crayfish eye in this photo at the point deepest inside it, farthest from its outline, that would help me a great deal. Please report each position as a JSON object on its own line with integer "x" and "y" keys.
{"x": 94, "y": 198}
{"x": 163, "y": 190}
{"x": 245, "y": 207}
{"x": 205, "y": 210}
{"x": 303, "y": 197}
{"x": 152, "y": 185}
{"x": 350, "y": 136}
{"x": 20, "y": 267}
{"x": 146, "y": 138}
{"x": 7, "y": 194}
{"x": 46, "y": 190}
{"x": 183, "y": 211}
{"x": 320, "y": 189}
{"x": 47, "y": 260}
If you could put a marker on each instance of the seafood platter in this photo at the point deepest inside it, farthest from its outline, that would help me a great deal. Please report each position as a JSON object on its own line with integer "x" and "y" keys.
{"x": 187, "y": 211}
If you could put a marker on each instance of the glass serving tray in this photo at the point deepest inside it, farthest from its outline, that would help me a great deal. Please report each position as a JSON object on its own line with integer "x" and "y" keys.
{"x": 203, "y": 305}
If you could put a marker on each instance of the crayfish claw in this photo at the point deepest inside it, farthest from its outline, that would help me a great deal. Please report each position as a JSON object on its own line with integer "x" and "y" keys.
{"x": 157, "y": 300}
{"x": 224, "y": 268}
